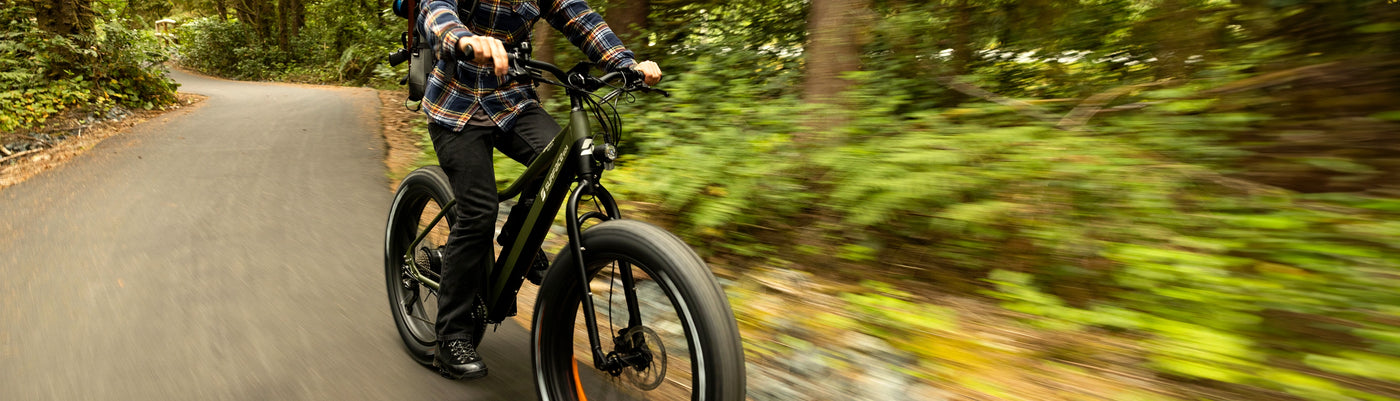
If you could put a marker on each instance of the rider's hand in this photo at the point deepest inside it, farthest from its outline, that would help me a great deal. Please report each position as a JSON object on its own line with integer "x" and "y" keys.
{"x": 650, "y": 72}
{"x": 486, "y": 48}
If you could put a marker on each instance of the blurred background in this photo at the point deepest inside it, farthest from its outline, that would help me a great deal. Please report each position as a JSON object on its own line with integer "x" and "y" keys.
{"x": 956, "y": 199}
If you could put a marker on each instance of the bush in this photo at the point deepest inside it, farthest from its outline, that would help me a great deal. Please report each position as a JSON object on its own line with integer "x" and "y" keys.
{"x": 42, "y": 74}
{"x": 130, "y": 67}
{"x": 335, "y": 46}
{"x": 223, "y": 48}
{"x": 711, "y": 151}
{"x": 1128, "y": 228}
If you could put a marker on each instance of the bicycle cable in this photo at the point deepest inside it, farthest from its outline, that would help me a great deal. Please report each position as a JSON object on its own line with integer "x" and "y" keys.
{"x": 609, "y": 121}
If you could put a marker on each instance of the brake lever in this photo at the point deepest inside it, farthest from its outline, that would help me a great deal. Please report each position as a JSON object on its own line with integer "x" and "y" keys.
{"x": 654, "y": 90}
{"x": 638, "y": 83}
{"x": 516, "y": 69}
{"x": 514, "y": 72}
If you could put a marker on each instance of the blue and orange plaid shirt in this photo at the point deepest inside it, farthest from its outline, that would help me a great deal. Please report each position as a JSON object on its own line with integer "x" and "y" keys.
{"x": 451, "y": 102}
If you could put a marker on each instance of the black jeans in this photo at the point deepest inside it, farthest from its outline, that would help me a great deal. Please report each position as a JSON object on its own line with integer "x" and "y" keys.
{"x": 468, "y": 255}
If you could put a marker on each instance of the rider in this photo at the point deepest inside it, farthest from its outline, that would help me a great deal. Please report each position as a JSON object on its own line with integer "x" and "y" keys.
{"x": 470, "y": 111}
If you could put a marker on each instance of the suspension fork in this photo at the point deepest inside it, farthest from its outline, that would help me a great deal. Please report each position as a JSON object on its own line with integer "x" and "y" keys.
{"x": 624, "y": 345}
{"x": 629, "y": 284}
{"x": 600, "y": 360}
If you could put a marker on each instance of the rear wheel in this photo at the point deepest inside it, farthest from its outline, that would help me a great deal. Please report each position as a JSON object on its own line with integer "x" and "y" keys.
{"x": 687, "y": 345}
{"x": 420, "y": 197}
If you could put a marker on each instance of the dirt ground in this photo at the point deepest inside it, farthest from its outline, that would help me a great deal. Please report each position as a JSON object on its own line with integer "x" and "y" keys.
{"x": 397, "y": 126}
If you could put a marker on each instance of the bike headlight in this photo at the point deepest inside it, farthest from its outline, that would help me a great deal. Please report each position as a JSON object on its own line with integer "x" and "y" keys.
{"x": 606, "y": 153}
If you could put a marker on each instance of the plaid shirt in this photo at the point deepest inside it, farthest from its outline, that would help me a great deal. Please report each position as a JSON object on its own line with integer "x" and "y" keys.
{"x": 451, "y": 102}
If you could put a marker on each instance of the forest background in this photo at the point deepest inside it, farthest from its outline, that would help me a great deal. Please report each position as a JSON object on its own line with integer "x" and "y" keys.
{"x": 953, "y": 199}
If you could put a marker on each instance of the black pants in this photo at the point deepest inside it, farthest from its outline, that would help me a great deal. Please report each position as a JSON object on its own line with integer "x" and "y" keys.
{"x": 466, "y": 158}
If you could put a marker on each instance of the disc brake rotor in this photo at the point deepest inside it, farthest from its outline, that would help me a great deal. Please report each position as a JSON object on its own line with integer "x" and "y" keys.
{"x": 651, "y": 377}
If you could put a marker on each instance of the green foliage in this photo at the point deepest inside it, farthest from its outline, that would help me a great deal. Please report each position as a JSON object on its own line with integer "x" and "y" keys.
{"x": 42, "y": 74}
{"x": 1224, "y": 282}
{"x": 138, "y": 13}
{"x": 722, "y": 163}
{"x": 1227, "y": 281}
{"x": 29, "y": 56}
{"x": 131, "y": 71}
{"x": 335, "y": 46}
{"x": 222, "y": 48}
{"x": 684, "y": 27}
{"x": 895, "y": 313}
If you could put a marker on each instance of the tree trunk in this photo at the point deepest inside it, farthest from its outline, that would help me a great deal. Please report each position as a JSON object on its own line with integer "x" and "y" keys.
{"x": 64, "y": 17}
{"x": 68, "y": 18}
{"x": 1177, "y": 37}
{"x": 962, "y": 38}
{"x": 543, "y": 43}
{"x": 298, "y": 16}
{"x": 259, "y": 14}
{"x": 283, "y": 9}
{"x": 628, "y": 19}
{"x": 962, "y": 48}
{"x": 223, "y": 10}
{"x": 832, "y": 48}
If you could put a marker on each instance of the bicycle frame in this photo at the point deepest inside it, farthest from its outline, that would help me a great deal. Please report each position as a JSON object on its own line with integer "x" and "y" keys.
{"x": 553, "y": 163}
{"x": 570, "y": 154}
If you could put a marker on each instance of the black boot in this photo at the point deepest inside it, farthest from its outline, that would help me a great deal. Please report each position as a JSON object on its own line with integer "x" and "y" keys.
{"x": 457, "y": 359}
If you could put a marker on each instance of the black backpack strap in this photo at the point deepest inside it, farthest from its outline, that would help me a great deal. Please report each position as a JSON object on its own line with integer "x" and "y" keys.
{"x": 451, "y": 70}
{"x": 471, "y": 12}
{"x": 412, "y": 19}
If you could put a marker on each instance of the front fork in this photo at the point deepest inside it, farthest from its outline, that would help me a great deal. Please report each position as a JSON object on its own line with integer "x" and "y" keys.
{"x": 629, "y": 348}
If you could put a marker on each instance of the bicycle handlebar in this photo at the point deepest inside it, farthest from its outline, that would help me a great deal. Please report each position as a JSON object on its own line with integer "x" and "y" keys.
{"x": 633, "y": 80}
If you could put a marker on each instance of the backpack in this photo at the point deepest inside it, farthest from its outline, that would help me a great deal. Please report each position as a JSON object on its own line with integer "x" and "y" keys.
{"x": 417, "y": 48}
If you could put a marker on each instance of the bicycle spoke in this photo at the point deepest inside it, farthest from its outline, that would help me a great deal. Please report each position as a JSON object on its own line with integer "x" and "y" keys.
{"x": 421, "y": 319}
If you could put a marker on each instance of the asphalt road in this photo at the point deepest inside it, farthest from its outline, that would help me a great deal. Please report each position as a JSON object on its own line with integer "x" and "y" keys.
{"x": 230, "y": 251}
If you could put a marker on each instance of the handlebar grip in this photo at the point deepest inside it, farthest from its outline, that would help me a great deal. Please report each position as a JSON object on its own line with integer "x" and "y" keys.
{"x": 469, "y": 53}
{"x": 632, "y": 75}
{"x": 628, "y": 76}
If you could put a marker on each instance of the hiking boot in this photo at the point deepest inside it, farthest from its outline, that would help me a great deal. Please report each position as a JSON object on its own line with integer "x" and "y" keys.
{"x": 457, "y": 359}
{"x": 537, "y": 268}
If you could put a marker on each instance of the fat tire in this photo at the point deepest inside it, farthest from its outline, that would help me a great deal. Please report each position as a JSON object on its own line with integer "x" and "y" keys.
{"x": 721, "y": 374}
{"x": 422, "y": 185}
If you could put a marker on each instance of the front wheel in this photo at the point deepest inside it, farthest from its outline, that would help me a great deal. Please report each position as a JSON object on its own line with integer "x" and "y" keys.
{"x": 687, "y": 336}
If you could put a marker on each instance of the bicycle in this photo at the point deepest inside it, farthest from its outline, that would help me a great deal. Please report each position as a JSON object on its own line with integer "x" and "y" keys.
{"x": 697, "y": 355}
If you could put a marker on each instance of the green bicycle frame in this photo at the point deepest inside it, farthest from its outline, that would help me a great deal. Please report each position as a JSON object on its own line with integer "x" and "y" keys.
{"x": 552, "y": 162}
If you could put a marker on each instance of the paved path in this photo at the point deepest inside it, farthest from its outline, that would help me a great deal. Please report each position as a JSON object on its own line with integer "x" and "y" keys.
{"x": 230, "y": 251}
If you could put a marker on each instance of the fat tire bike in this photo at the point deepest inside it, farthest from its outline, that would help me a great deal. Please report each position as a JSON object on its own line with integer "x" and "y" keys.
{"x": 626, "y": 310}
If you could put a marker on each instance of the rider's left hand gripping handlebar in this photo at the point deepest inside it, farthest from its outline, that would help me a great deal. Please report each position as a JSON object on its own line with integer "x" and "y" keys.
{"x": 636, "y": 81}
